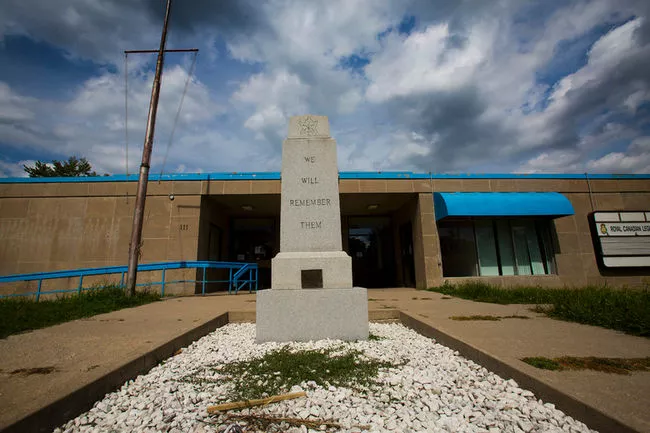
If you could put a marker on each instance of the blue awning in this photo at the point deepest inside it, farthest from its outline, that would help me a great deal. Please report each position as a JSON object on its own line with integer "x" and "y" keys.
{"x": 500, "y": 204}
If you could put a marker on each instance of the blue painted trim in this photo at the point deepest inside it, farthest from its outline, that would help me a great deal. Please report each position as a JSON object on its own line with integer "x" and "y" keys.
{"x": 500, "y": 204}
{"x": 383, "y": 175}
{"x": 271, "y": 175}
{"x": 274, "y": 175}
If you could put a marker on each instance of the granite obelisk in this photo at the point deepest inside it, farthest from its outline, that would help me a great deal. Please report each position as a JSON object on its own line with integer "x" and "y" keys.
{"x": 311, "y": 295}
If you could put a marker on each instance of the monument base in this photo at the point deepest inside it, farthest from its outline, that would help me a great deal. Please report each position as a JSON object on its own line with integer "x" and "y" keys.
{"x": 312, "y": 314}
{"x": 335, "y": 269}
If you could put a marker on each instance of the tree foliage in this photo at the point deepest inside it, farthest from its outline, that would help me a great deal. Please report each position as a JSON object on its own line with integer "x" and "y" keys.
{"x": 73, "y": 167}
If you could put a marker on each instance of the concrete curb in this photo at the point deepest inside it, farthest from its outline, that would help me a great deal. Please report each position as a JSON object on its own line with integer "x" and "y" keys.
{"x": 589, "y": 415}
{"x": 77, "y": 402}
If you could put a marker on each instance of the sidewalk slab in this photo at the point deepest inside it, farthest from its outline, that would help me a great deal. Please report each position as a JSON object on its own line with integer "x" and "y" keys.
{"x": 622, "y": 397}
{"x": 86, "y": 350}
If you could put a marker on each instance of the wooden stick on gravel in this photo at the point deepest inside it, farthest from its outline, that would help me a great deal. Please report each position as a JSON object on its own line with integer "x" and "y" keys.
{"x": 265, "y": 420}
{"x": 256, "y": 402}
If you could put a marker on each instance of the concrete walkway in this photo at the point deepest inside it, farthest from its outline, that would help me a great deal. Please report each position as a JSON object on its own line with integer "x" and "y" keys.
{"x": 82, "y": 351}
{"x": 623, "y": 397}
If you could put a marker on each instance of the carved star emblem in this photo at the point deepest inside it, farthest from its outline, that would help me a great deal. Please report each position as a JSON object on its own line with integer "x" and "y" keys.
{"x": 308, "y": 126}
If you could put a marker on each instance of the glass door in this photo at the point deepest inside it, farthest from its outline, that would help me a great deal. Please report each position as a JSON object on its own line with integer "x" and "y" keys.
{"x": 254, "y": 240}
{"x": 370, "y": 244}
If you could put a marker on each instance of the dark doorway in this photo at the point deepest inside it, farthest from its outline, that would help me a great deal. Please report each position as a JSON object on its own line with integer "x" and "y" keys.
{"x": 215, "y": 236}
{"x": 214, "y": 247}
{"x": 253, "y": 240}
{"x": 406, "y": 251}
{"x": 370, "y": 244}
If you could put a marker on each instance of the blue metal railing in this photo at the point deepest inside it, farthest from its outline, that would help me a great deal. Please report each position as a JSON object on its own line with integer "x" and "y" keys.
{"x": 240, "y": 275}
{"x": 238, "y": 279}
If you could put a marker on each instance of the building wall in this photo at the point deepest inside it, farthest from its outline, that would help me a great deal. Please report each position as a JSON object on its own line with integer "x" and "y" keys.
{"x": 428, "y": 264}
{"x": 575, "y": 257}
{"x": 54, "y": 226}
{"x": 50, "y": 226}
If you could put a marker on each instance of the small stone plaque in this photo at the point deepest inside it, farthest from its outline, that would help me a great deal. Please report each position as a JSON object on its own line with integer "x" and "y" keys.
{"x": 311, "y": 278}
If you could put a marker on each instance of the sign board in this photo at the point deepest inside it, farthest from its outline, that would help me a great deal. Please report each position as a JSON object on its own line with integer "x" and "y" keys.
{"x": 623, "y": 238}
{"x": 624, "y": 229}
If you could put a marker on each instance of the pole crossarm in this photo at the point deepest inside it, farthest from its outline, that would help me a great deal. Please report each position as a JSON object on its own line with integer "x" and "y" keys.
{"x": 178, "y": 50}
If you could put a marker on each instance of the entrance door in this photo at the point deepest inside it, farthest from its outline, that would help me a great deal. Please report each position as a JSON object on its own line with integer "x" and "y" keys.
{"x": 406, "y": 250}
{"x": 253, "y": 240}
{"x": 370, "y": 244}
{"x": 214, "y": 255}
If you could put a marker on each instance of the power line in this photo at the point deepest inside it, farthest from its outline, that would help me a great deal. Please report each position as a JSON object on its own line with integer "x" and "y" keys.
{"x": 178, "y": 112}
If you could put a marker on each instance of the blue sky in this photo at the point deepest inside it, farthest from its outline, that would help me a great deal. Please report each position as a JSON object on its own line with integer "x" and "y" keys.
{"x": 423, "y": 85}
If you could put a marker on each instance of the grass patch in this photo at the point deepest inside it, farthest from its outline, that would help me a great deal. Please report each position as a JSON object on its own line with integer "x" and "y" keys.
{"x": 621, "y": 309}
{"x": 373, "y": 337}
{"x": 482, "y": 292}
{"x": 492, "y": 318}
{"x": 607, "y": 365}
{"x": 543, "y": 363}
{"x": 22, "y": 314}
{"x": 468, "y": 318}
{"x": 36, "y": 370}
{"x": 279, "y": 370}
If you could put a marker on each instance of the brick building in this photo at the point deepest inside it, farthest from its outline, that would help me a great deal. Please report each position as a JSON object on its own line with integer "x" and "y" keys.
{"x": 400, "y": 228}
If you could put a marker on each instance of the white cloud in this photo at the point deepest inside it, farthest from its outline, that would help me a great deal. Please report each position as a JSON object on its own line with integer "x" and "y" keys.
{"x": 480, "y": 96}
{"x": 636, "y": 159}
{"x": 301, "y": 48}
{"x": 634, "y": 100}
{"x": 558, "y": 161}
{"x": 605, "y": 55}
{"x": 275, "y": 98}
{"x": 318, "y": 32}
{"x": 13, "y": 107}
{"x": 91, "y": 124}
{"x": 14, "y": 169}
{"x": 461, "y": 90}
{"x": 95, "y": 29}
{"x": 423, "y": 62}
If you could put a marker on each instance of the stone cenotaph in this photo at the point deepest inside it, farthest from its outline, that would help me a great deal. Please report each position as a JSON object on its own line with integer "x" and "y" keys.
{"x": 311, "y": 295}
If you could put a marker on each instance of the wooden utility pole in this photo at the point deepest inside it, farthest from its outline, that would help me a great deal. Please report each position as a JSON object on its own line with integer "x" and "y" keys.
{"x": 138, "y": 216}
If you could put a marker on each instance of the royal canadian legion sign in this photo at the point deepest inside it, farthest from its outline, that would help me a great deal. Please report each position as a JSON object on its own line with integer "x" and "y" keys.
{"x": 623, "y": 238}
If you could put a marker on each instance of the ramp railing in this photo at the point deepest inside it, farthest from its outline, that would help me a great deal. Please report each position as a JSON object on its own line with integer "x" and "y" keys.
{"x": 240, "y": 275}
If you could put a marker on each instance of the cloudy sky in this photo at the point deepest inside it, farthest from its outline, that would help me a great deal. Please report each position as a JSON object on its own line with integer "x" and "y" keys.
{"x": 445, "y": 86}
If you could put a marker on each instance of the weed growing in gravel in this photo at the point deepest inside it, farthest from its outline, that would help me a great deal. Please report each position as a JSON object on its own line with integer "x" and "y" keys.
{"x": 607, "y": 365}
{"x": 279, "y": 370}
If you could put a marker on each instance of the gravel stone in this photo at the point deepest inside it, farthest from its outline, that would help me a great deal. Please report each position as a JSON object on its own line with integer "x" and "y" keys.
{"x": 433, "y": 390}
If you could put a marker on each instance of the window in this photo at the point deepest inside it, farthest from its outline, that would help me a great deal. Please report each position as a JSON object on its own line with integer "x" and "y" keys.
{"x": 489, "y": 247}
{"x": 458, "y": 249}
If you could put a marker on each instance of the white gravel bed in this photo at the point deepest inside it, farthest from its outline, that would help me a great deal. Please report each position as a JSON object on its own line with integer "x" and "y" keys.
{"x": 434, "y": 390}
